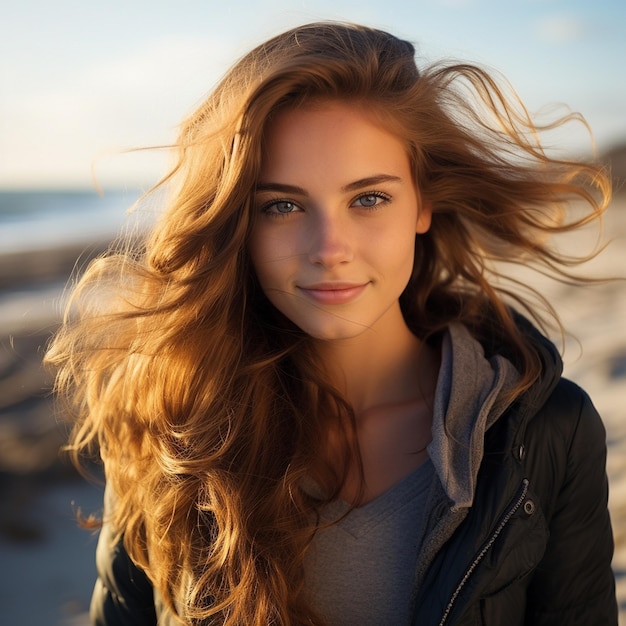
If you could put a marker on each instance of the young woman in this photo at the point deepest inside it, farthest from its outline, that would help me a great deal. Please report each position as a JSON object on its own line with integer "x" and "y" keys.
{"x": 313, "y": 399}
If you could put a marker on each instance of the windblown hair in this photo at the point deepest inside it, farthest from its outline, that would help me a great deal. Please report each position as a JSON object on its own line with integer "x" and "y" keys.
{"x": 207, "y": 406}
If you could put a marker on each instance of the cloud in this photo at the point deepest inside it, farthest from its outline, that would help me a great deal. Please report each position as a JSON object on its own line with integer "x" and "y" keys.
{"x": 560, "y": 29}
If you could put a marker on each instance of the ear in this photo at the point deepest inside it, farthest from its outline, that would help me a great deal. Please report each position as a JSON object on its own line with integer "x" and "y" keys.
{"x": 424, "y": 216}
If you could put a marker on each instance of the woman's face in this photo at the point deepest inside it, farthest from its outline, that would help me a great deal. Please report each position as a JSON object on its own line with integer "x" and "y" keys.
{"x": 338, "y": 212}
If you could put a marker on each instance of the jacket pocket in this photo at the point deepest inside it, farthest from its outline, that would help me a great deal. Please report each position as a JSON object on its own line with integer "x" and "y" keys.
{"x": 493, "y": 590}
{"x": 517, "y": 551}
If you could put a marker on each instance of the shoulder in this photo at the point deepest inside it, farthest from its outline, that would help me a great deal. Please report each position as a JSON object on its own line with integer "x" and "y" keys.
{"x": 566, "y": 420}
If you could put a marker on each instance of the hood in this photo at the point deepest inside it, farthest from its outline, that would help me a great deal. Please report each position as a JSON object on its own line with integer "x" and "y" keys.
{"x": 472, "y": 393}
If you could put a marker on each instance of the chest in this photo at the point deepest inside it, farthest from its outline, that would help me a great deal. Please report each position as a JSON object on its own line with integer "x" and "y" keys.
{"x": 361, "y": 565}
{"x": 392, "y": 443}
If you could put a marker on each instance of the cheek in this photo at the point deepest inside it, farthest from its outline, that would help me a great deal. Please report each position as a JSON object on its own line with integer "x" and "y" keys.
{"x": 268, "y": 257}
{"x": 256, "y": 252}
{"x": 258, "y": 260}
{"x": 394, "y": 248}
{"x": 399, "y": 261}
{"x": 405, "y": 263}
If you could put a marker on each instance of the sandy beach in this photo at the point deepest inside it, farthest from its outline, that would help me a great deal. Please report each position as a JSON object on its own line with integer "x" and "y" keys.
{"x": 47, "y": 561}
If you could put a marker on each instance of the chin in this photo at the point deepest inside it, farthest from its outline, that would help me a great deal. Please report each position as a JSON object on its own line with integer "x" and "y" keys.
{"x": 333, "y": 333}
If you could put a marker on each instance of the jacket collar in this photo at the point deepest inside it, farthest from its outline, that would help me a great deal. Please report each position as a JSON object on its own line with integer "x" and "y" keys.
{"x": 473, "y": 391}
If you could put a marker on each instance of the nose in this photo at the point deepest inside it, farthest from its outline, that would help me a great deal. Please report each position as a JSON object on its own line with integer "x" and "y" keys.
{"x": 330, "y": 241}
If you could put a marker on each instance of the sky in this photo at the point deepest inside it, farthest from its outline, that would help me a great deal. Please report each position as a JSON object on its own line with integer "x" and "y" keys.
{"x": 82, "y": 82}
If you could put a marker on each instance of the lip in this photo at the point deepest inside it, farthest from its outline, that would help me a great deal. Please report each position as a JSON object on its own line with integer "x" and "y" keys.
{"x": 334, "y": 293}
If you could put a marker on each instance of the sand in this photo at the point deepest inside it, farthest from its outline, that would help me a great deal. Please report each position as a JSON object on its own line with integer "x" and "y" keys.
{"x": 47, "y": 562}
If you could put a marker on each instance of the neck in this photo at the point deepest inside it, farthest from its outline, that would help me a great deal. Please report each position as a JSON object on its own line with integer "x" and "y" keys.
{"x": 381, "y": 367}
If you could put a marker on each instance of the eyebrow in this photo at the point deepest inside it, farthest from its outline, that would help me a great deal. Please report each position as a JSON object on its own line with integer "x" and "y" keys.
{"x": 354, "y": 186}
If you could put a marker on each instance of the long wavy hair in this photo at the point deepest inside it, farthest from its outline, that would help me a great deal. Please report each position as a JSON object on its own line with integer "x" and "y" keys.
{"x": 209, "y": 408}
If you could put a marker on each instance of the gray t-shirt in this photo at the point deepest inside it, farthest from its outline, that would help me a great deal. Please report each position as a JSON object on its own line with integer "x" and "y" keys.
{"x": 361, "y": 570}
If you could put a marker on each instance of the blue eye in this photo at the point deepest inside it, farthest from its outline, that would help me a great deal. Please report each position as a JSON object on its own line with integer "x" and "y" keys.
{"x": 371, "y": 200}
{"x": 368, "y": 200}
{"x": 280, "y": 207}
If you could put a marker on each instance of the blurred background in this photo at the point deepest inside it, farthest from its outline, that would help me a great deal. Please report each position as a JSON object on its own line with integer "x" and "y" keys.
{"x": 84, "y": 82}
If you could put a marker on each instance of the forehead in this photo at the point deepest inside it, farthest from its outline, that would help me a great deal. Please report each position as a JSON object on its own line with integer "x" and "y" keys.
{"x": 341, "y": 133}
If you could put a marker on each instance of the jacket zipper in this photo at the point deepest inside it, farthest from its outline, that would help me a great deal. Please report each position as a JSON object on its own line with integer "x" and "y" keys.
{"x": 485, "y": 549}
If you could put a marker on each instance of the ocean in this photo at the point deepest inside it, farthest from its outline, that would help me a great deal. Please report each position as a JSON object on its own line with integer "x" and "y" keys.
{"x": 43, "y": 234}
{"x": 32, "y": 220}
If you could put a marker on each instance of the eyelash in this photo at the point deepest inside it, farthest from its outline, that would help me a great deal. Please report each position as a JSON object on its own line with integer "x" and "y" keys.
{"x": 265, "y": 208}
{"x": 375, "y": 194}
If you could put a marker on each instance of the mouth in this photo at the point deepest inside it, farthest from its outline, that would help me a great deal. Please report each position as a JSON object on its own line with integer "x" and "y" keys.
{"x": 333, "y": 293}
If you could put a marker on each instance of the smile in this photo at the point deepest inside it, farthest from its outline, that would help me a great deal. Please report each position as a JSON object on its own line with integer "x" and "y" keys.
{"x": 333, "y": 293}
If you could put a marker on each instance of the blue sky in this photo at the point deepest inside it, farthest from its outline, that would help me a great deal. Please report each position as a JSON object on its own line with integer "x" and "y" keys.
{"x": 82, "y": 80}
